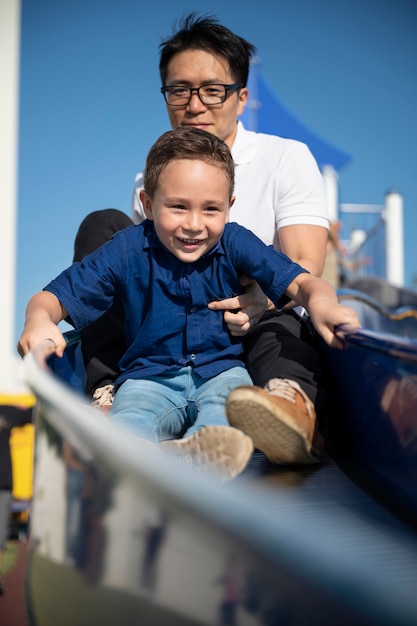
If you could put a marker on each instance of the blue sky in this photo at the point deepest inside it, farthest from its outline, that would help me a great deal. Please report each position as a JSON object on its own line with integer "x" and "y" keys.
{"x": 90, "y": 105}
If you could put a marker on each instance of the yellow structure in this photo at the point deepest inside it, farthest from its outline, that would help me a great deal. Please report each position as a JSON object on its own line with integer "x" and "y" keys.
{"x": 21, "y": 446}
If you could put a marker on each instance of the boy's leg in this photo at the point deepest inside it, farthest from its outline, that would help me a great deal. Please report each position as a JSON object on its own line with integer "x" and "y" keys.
{"x": 208, "y": 406}
{"x": 210, "y": 445}
{"x": 154, "y": 408}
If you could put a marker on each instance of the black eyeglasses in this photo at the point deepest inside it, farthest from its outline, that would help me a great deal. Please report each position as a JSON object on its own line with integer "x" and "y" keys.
{"x": 180, "y": 96}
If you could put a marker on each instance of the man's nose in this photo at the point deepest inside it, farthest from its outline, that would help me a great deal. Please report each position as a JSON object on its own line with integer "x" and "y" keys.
{"x": 195, "y": 103}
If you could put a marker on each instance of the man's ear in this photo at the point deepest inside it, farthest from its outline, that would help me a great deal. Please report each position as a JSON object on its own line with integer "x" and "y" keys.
{"x": 146, "y": 203}
{"x": 242, "y": 100}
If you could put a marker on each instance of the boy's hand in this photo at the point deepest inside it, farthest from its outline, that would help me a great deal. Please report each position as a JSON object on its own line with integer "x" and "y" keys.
{"x": 326, "y": 316}
{"x": 34, "y": 334}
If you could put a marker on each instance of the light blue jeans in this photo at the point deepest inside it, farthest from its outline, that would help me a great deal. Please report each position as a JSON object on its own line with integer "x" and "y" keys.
{"x": 175, "y": 403}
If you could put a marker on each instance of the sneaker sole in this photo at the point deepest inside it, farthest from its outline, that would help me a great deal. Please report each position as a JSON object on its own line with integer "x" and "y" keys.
{"x": 222, "y": 450}
{"x": 271, "y": 430}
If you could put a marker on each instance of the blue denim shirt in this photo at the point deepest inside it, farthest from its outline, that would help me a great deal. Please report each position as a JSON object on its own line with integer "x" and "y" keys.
{"x": 167, "y": 322}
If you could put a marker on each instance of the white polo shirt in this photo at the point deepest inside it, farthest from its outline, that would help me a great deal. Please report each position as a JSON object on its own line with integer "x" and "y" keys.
{"x": 278, "y": 183}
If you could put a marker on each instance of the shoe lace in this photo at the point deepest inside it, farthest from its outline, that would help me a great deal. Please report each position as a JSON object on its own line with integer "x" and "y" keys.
{"x": 288, "y": 389}
{"x": 185, "y": 460}
{"x": 177, "y": 455}
{"x": 103, "y": 395}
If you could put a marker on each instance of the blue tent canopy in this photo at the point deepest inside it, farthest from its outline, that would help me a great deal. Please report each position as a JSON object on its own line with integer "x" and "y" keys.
{"x": 264, "y": 113}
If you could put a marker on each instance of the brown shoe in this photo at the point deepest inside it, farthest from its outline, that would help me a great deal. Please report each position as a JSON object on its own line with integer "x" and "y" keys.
{"x": 280, "y": 419}
{"x": 221, "y": 450}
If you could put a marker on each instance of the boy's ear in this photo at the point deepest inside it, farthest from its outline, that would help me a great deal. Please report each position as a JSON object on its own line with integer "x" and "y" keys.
{"x": 146, "y": 203}
{"x": 232, "y": 201}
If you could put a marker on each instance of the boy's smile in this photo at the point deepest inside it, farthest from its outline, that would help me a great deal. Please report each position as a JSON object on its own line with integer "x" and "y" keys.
{"x": 190, "y": 207}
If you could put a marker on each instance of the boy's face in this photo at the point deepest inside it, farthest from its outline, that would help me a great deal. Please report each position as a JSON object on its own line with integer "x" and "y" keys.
{"x": 189, "y": 208}
{"x": 193, "y": 68}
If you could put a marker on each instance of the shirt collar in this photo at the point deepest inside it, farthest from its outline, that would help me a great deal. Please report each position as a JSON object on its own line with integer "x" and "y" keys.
{"x": 244, "y": 146}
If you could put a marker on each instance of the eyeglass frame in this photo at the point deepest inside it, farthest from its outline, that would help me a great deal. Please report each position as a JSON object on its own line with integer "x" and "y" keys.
{"x": 227, "y": 88}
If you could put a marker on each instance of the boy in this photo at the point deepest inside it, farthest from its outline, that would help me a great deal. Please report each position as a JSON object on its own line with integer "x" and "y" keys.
{"x": 180, "y": 363}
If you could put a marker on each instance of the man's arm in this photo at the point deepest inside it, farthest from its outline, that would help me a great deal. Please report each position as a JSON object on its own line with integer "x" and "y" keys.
{"x": 43, "y": 312}
{"x": 306, "y": 245}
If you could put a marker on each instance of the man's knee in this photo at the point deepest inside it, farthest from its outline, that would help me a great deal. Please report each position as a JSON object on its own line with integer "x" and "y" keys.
{"x": 97, "y": 228}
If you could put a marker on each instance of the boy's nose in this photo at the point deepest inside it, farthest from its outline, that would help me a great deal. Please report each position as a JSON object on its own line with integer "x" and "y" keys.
{"x": 193, "y": 222}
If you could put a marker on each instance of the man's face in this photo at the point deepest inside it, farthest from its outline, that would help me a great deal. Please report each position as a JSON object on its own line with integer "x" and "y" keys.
{"x": 193, "y": 68}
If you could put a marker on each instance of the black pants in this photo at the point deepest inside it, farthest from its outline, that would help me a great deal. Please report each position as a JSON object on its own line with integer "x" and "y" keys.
{"x": 281, "y": 345}
{"x": 285, "y": 345}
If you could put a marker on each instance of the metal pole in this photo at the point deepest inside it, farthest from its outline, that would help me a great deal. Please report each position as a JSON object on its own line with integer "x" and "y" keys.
{"x": 393, "y": 214}
{"x": 331, "y": 190}
{"x": 9, "y": 85}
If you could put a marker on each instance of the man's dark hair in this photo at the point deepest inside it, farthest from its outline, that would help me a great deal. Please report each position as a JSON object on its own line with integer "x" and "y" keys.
{"x": 206, "y": 33}
{"x": 187, "y": 143}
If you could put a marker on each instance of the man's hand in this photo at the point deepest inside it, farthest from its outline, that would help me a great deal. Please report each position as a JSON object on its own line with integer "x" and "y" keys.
{"x": 242, "y": 312}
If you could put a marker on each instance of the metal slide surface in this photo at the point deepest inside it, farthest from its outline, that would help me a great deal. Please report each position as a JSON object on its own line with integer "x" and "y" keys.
{"x": 374, "y": 380}
{"x": 120, "y": 534}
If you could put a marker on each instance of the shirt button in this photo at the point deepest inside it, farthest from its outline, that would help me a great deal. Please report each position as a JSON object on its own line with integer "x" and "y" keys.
{"x": 193, "y": 309}
{"x": 192, "y": 357}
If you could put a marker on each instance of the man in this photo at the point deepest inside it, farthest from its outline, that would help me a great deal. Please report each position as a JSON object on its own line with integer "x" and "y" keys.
{"x": 279, "y": 195}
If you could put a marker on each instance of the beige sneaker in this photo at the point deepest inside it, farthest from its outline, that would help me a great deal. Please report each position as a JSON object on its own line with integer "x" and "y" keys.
{"x": 103, "y": 398}
{"x": 220, "y": 450}
{"x": 280, "y": 419}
